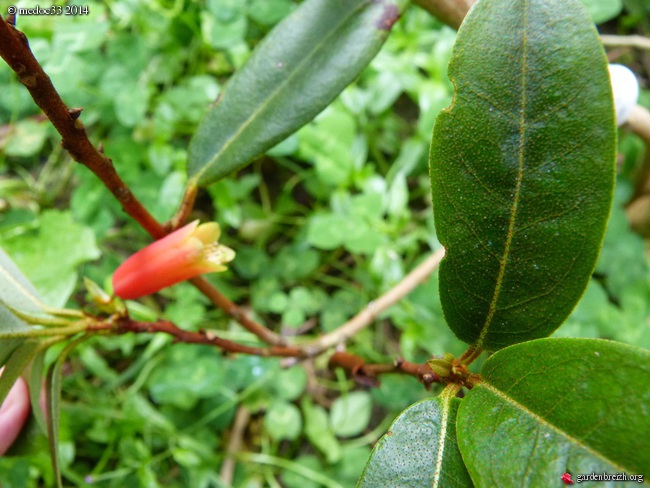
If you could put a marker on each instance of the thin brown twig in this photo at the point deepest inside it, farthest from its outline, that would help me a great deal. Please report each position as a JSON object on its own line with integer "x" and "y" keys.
{"x": 125, "y": 325}
{"x": 185, "y": 208}
{"x": 366, "y": 374}
{"x": 374, "y": 308}
{"x": 639, "y": 42}
{"x": 235, "y": 443}
{"x": 234, "y": 311}
{"x": 350, "y": 328}
{"x": 14, "y": 49}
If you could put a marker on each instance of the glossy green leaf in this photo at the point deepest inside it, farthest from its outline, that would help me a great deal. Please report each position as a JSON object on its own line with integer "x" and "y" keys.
{"x": 420, "y": 449}
{"x": 522, "y": 169}
{"x": 554, "y": 405}
{"x": 294, "y": 73}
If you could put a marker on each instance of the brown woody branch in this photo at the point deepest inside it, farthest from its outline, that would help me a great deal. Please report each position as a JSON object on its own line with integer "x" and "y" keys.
{"x": 234, "y": 311}
{"x": 356, "y": 367}
{"x": 366, "y": 374}
{"x": 314, "y": 348}
{"x": 15, "y": 50}
{"x": 124, "y": 325}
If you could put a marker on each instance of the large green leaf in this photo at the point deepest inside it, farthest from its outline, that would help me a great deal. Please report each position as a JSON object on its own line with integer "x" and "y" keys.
{"x": 522, "y": 169}
{"x": 554, "y": 405}
{"x": 420, "y": 448}
{"x": 295, "y": 72}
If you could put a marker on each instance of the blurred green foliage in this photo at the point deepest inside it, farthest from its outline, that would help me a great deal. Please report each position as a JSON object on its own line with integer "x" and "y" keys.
{"x": 327, "y": 221}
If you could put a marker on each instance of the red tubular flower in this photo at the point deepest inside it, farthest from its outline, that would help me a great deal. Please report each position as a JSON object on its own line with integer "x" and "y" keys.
{"x": 185, "y": 253}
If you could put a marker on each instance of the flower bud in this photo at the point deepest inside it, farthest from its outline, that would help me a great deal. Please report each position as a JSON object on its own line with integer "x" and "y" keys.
{"x": 185, "y": 253}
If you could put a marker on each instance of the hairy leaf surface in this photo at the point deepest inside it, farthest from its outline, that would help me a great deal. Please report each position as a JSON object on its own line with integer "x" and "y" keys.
{"x": 420, "y": 449}
{"x": 522, "y": 169}
{"x": 554, "y": 405}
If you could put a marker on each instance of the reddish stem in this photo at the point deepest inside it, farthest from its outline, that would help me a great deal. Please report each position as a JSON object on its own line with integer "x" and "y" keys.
{"x": 15, "y": 50}
{"x": 366, "y": 374}
{"x": 125, "y": 325}
{"x": 234, "y": 311}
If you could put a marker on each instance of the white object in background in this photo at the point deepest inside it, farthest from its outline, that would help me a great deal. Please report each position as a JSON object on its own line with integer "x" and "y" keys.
{"x": 626, "y": 91}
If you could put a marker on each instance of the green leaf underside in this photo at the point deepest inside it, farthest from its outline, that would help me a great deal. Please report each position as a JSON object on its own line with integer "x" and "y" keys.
{"x": 554, "y": 405}
{"x": 18, "y": 293}
{"x": 522, "y": 169}
{"x": 420, "y": 449}
{"x": 294, "y": 73}
{"x": 17, "y": 361}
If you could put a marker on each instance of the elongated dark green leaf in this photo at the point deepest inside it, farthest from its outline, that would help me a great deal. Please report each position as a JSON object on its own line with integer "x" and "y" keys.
{"x": 19, "y": 359}
{"x": 295, "y": 72}
{"x": 554, "y": 405}
{"x": 420, "y": 449}
{"x": 522, "y": 169}
{"x": 53, "y": 398}
{"x": 36, "y": 386}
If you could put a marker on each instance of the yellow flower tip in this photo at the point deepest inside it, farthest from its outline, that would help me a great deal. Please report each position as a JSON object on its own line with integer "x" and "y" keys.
{"x": 185, "y": 253}
{"x": 207, "y": 233}
{"x": 215, "y": 255}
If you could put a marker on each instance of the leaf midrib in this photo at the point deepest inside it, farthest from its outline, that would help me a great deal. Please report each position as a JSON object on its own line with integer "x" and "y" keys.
{"x": 520, "y": 170}
{"x": 508, "y": 399}
{"x": 26, "y": 293}
{"x": 446, "y": 398}
{"x": 276, "y": 92}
